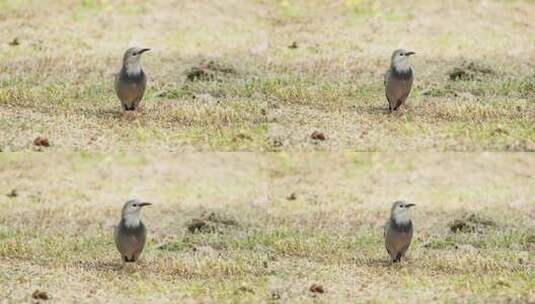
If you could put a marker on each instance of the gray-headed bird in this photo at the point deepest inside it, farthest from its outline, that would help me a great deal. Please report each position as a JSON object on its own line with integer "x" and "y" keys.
{"x": 131, "y": 81}
{"x": 398, "y": 79}
{"x": 130, "y": 233}
{"x": 398, "y": 230}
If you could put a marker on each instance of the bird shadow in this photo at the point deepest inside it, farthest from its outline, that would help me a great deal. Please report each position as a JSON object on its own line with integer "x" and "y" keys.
{"x": 105, "y": 113}
{"x": 100, "y": 266}
{"x": 372, "y": 262}
{"x": 376, "y": 110}
{"x": 116, "y": 114}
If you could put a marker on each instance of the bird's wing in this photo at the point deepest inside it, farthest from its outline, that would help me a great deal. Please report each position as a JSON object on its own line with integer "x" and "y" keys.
{"x": 387, "y": 237}
{"x": 408, "y": 239}
{"x": 140, "y": 242}
{"x": 397, "y": 90}
{"x": 405, "y": 91}
{"x": 386, "y": 81}
{"x": 141, "y": 89}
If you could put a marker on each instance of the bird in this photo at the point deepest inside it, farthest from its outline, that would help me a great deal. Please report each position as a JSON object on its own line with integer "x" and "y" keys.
{"x": 398, "y": 79}
{"x": 131, "y": 81}
{"x": 398, "y": 230}
{"x": 130, "y": 233}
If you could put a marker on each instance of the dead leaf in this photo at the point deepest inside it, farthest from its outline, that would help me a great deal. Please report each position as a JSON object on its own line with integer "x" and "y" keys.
{"x": 246, "y": 289}
{"x": 318, "y": 136}
{"x": 500, "y": 130}
{"x": 293, "y": 45}
{"x": 292, "y": 197}
{"x": 40, "y": 295}
{"x": 14, "y": 42}
{"x": 277, "y": 143}
{"x": 13, "y": 193}
{"x": 196, "y": 225}
{"x": 316, "y": 288}
{"x": 41, "y": 142}
{"x": 242, "y": 136}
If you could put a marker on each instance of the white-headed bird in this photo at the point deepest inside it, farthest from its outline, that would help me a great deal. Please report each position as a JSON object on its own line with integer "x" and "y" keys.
{"x": 398, "y": 230}
{"x": 398, "y": 79}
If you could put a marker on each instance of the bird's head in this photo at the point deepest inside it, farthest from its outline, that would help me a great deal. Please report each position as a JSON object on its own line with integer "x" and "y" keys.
{"x": 400, "y": 212}
{"x": 400, "y": 59}
{"x": 132, "y": 59}
{"x": 132, "y": 209}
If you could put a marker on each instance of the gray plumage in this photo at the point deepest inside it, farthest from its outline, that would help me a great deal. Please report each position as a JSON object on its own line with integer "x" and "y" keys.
{"x": 398, "y": 79}
{"x": 398, "y": 230}
{"x": 131, "y": 81}
{"x": 130, "y": 233}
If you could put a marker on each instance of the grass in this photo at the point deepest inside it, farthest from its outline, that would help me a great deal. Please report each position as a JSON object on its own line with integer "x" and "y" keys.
{"x": 261, "y": 76}
{"x": 267, "y": 244}
{"x": 56, "y": 80}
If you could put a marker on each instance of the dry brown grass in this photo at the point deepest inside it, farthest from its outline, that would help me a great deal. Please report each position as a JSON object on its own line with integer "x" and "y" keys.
{"x": 289, "y": 68}
{"x": 57, "y": 81}
{"x": 333, "y": 81}
{"x": 55, "y": 235}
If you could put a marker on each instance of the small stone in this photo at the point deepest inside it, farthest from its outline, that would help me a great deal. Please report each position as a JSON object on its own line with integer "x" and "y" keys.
{"x": 40, "y": 295}
{"x": 292, "y": 197}
{"x": 13, "y": 193}
{"x": 41, "y": 142}
{"x": 316, "y": 288}
{"x": 318, "y": 136}
{"x": 293, "y": 45}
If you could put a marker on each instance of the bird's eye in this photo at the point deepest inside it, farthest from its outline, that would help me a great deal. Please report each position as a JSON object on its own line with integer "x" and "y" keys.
{"x": 134, "y": 54}
{"x": 134, "y": 205}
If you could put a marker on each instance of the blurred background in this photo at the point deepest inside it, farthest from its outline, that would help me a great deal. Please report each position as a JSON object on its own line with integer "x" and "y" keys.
{"x": 263, "y": 75}
{"x": 261, "y": 227}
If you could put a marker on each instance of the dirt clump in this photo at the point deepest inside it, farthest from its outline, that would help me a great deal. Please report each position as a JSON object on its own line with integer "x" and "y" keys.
{"x": 210, "y": 223}
{"x": 209, "y": 70}
{"x": 316, "y": 288}
{"x": 470, "y": 223}
{"x": 317, "y": 135}
{"x": 469, "y": 71}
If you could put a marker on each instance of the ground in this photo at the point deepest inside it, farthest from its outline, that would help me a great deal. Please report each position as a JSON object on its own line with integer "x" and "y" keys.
{"x": 279, "y": 71}
{"x": 293, "y": 91}
{"x": 269, "y": 227}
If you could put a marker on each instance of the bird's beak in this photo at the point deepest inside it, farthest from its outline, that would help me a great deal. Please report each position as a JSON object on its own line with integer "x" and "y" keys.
{"x": 144, "y": 204}
{"x": 410, "y": 205}
{"x": 409, "y": 53}
{"x": 143, "y": 51}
